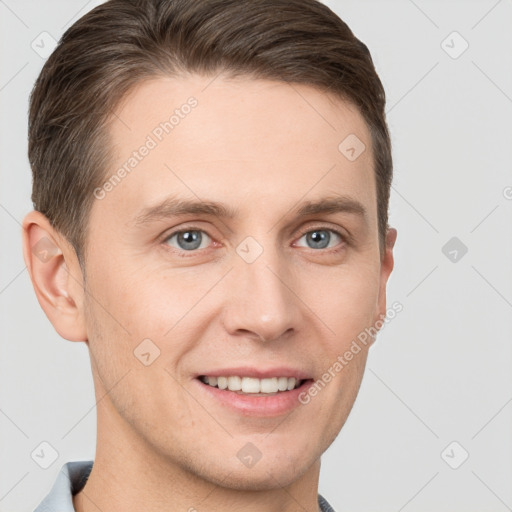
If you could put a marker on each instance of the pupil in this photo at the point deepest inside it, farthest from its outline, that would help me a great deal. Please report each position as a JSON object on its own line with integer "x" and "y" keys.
{"x": 320, "y": 239}
{"x": 190, "y": 239}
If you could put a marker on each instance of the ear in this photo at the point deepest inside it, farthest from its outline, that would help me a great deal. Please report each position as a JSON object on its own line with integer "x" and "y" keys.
{"x": 56, "y": 276}
{"x": 387, "y": 264}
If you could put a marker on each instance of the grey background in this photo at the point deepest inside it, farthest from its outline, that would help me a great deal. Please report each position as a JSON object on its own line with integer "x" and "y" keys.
{"x": 439, "y": 372}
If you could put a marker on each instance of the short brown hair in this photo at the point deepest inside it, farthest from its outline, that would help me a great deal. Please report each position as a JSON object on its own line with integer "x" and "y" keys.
{"x": 122, "y": 42}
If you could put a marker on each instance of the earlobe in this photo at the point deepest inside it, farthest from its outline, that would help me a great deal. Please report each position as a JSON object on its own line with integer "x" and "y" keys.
{"x": 55, "y": 275}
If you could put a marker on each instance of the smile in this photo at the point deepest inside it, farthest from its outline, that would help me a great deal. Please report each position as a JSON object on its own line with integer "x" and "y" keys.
{"x": 252, "y": 385}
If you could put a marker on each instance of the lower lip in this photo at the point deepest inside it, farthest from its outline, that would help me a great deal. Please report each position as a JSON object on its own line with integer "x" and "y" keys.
{"x": 247, "y": 405}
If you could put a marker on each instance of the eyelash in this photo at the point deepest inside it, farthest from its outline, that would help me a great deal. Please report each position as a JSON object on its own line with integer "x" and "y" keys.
{"x": 186, "y": 254}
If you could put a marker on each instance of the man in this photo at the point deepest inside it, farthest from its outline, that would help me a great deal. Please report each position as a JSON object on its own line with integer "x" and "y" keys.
{"x": 211, "y": 185}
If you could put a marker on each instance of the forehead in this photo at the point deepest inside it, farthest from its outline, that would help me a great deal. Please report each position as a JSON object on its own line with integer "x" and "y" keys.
{"x": 244, "y": 141}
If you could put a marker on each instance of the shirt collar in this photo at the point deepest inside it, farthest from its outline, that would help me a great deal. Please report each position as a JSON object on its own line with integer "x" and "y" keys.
{"x": 70, "y": 480}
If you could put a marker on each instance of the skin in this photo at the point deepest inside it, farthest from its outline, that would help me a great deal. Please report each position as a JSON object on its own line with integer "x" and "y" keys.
{"x": 259, "y": 147}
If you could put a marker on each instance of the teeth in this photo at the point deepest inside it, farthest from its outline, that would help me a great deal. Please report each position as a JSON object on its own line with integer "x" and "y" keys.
{"x": 234, "y": 383}
{"x": 282, "y": 383}
{"x": 269, "y": 385}
{"x": 253, "y": 385}
{"x": 250, "y": 385}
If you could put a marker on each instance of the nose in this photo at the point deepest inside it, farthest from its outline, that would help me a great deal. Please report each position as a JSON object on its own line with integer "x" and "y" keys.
{"x": 261, "y": 299}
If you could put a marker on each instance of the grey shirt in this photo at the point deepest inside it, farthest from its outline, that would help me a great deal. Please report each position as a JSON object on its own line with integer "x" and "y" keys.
{"x": 71, "y": 480}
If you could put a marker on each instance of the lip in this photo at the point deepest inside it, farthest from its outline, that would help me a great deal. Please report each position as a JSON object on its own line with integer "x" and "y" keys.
{"x": 246, "y": 405}
{"x": 258, "y": 373}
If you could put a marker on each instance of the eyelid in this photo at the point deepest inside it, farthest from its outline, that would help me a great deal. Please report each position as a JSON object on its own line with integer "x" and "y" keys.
{"x": 169, "y": 234}
{"x": 344, "y": 240}
{"x": 343, "y": 234}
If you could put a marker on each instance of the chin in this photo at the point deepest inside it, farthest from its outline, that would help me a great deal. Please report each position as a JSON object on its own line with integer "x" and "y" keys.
{"x": 262, "y": 479}
{"x": 267, "y": 474}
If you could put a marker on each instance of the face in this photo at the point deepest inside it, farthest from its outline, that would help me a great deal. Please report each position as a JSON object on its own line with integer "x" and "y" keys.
{"x": 271, "y": 275}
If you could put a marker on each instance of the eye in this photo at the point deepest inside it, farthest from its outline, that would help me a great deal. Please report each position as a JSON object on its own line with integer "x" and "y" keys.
{"x": 188, "y": 239}
{"x": 193, "y": 239}
{"x": 321, "y": 238}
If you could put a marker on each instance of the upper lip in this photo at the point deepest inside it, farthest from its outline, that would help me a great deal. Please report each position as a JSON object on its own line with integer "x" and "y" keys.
{"x": 258, "y": 373}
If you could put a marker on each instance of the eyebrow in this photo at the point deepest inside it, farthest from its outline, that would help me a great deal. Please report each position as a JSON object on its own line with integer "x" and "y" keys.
{"x": 173, "y": 207}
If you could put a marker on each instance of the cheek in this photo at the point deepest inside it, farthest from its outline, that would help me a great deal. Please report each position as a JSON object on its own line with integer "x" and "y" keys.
{"x": 138, "y": 302}
{"x": 347, "y": 304}
{"x": 128, "y": 308}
